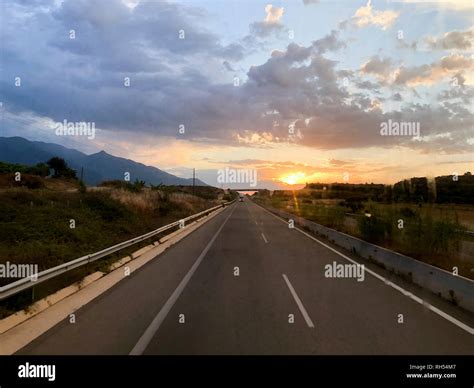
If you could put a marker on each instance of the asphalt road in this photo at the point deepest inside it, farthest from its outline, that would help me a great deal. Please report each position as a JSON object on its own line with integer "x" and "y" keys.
{"x": 190, "y": 301}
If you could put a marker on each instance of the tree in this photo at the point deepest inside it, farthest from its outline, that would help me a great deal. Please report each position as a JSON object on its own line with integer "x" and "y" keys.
{"x": 60, "y": 167}
{"x": 40, "y": 169}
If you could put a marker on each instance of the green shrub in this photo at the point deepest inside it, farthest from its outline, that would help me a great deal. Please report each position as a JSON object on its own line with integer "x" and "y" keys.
{"x": 103, "y": 206}
{"x": 136, "y": 186}
{"x": 443, "y": 236}
{"x": 407, "y": 212}
{"x": 373, "y": 229}
{"x": 335, "y": 216}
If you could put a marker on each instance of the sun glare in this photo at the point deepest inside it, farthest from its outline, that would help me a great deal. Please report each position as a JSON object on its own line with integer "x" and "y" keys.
{"x": 293, "y": 179}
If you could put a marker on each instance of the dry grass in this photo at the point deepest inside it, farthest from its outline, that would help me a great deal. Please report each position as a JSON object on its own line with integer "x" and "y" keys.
{"x": 187, "y": 201}
{"x": 148, "y": 200}
{"x": 144, "y": 201}
{"x": 34, "y": 226}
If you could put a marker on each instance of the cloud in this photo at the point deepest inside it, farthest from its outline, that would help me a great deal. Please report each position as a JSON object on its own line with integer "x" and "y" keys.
{"x": 271, "y": 24}
{"x": 455, "y": 62}
{"x": 378, "y": 66}
{"x": 397, "y": 97}
{"x": 82, "y": 80}
{"x": 349, "y": 126}
{"x": 365, "y": 16}
{"x": 368, "y": 85}
{"x": 453, "y": 40}
{"x": 327, "y": 170}
{"x": 327, "y": 117}
{"x": 310, "y": 2}
{"x": 274, "y": 14}
{"x": 338, "y": 163}
{"x": 459, "y": 5}
{"x": 454, "y": 65}
{"x": 415, "y": 75}
{"x": 267, "y": 168}
{"x": 264, "y": 29}
{"x": 228, "y": 66}
{"x": 330, "y": 42}
{"x": 462, "y": 94}
{"x": 403, "y": 44}
{"x": 447, "y": 67}
{"x": 127, "y": 39}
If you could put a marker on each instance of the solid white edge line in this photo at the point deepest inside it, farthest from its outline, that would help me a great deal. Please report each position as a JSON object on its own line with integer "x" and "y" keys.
{"x": 303, "y": 311}
{"x": 417, "y": 299}
{"x": 151, "y": 330}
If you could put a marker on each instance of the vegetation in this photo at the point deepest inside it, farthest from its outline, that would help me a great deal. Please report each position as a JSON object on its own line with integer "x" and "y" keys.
{"x": 60, "y": 168}
{"x": 442, "y": 189}
{"x": 41, "y": 169}
{"x": 35, "y": 222}
{"x": 430, "y": 232}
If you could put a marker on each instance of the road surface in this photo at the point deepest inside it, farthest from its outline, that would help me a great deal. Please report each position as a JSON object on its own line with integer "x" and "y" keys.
{"x": 190, "y": 301}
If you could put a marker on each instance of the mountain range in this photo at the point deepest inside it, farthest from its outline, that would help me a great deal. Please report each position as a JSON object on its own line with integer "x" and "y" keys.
{"x": 98, "y": 167}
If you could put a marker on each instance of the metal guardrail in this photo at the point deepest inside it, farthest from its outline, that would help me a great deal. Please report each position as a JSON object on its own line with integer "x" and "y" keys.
{"x": 25, "y": 283}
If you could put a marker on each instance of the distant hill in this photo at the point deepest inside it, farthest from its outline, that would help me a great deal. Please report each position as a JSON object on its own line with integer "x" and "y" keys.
{"x": 98, "y": 167}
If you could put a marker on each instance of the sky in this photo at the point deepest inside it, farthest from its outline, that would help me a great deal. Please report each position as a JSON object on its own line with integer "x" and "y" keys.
{"x": 295, "y": 91}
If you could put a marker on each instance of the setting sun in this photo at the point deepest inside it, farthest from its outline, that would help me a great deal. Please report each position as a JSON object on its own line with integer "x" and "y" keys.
{"x": 275, "y": 178}
{"x": 293, "y": 179}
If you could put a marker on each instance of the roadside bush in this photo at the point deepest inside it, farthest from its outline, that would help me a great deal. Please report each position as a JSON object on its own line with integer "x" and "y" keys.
{"x": 442, "y": 236}
{"x": 117, "y": 184}
{"x": 354, "y": 204}
{"x": 33, "y": 182}
{"x": 373, "y": 229}
{"x": 407, "y": 212}
{"x": 335, "y": 216}
{"x": 104, "y": 207}
{"x": 136, "y": 186}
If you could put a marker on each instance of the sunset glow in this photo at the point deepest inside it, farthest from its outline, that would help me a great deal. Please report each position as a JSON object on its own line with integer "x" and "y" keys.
{"x": 302, "y": 107}
{"x": 294, "y": 178}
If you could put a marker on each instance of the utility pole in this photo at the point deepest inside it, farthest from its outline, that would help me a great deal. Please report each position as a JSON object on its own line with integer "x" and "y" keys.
{"x": 194, "y": 178}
